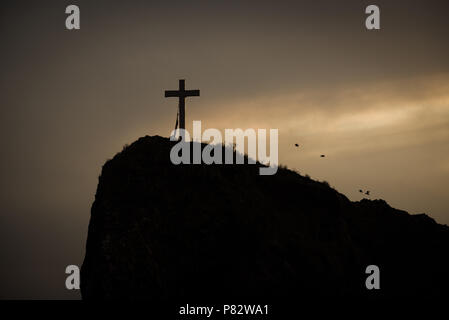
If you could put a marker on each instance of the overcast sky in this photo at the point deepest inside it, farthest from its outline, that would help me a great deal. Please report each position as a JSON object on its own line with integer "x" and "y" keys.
{"x": 375, "y": 102}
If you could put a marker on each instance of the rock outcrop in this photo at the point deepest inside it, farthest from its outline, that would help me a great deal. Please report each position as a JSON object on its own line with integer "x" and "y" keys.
{"x": 161, "y": 231}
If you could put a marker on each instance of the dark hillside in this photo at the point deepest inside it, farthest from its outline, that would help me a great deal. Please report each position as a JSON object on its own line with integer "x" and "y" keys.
{"x": 207, "y": 231}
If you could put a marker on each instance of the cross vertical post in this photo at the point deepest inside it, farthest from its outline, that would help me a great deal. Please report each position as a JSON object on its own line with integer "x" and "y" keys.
{"x": 182, "y": 106}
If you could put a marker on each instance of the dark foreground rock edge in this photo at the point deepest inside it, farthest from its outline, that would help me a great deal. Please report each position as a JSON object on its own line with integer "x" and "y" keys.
{"x": 160, "y": 231}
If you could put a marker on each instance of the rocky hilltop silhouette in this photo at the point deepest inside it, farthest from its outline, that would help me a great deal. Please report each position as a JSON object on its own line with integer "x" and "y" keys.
{"x": 161, "y": 231}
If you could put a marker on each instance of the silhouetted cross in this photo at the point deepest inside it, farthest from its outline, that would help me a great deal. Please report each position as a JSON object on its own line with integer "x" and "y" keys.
{"x": 182, "y": 94}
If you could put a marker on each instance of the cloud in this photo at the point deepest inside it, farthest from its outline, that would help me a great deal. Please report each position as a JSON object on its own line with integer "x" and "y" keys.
{"x": 379, "y": 116}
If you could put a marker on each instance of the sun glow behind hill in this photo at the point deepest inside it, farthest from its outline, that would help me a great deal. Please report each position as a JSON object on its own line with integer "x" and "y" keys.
{"x": 388, "y": 137}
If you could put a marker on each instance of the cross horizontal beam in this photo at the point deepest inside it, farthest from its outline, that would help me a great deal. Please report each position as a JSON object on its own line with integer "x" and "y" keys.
{"x": 182, "y": 93}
